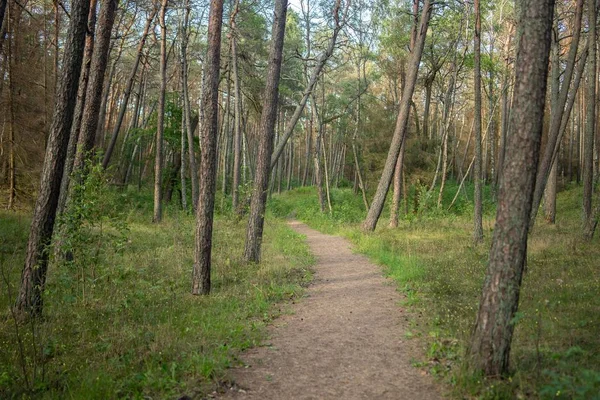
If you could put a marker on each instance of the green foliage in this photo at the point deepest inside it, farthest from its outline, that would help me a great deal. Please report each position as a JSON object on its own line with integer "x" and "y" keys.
{"x": 138, "y": 333}
{"x": 570, "y": 382}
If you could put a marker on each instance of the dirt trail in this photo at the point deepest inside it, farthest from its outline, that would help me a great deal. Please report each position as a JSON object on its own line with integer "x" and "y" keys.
{"x": 345, "y": 340}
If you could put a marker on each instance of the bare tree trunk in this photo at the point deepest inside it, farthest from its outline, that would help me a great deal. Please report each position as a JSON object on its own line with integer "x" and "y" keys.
{"x": 550, "y": 192}
{"x": 556, "y": 119}
{"x": 290, "y": 168}
{"x": 401, "y": 123}
{"x": 477, "y": 173}
{"x": 318, "y": 171}
{"x": 397, "y": 195}
{"x": 12, "y": 175}
{"x": 93, "y": 97}
{"x": 158, "y": 148}
{"x": 33, "y": 277}
{"x": 208, "y": 156}
{"x": 267, "y": 126}
{"x": 188, "y": 110}
{"x": 492, "y": 336}
{"x": 590, "y": 122}
{"x": 183, "y": 157}
{"x": 505, "y": 112}
{"x": 127, "y": 93}
{"x": 237, "y": 135}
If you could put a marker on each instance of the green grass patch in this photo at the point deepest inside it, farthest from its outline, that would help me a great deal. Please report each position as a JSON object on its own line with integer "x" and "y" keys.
{"x": 124, "y": 324}
{"x": 431, "y": 257}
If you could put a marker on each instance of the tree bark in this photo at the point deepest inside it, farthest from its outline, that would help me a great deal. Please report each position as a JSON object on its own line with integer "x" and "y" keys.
{"x": 590, "y": 122}
{"x": 208, "y": 156}
{"x": 401, "y": 123}
{"x": 492, "y": 336}
{"x": 34, "y": 272}
{"x": 550, "y": 192}
{"x": 188, "y": 111}
{"x": 258, "y": 201}
{"x": 237, "y": 105}
{"x": 158, "y": 148}
{"x": 556, "y": 119}
{"x": 93, "y": 97}
{"x": 477, "y": 178}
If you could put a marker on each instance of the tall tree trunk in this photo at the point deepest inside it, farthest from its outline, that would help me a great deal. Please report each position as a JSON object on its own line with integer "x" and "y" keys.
{"x": 556, "y": 120}
{"x": 127, "y": 93}
{"x": 590, "y": 122}
{"x": 256, "y": 221}
{"x": 401, "y": 123}
{"x": 33, "y": 277}
{"x": 477, "y": 173}
{"x": 237, "y": 105}
{"x": 208, "y": 156}
{"x": 183, "y": 158}
{"x": 12, "y": 175}
{"x": 158, "y": 148}
{"x": 550, "y": 192}
{"x": 492, "y": 337}
{"x": 188, "y": 111}
{"x": 93, "y": 97}
{"x": 505, "y": 111}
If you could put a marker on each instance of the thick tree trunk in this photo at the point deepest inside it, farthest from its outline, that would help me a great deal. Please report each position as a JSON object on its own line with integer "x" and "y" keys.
{"x": 33, "y": 277}
{"x": 267, "y": 127}
{"x": 127, "y": 93}
{"x": 208, "y": 156}
{"x": 401, "y": 123}
{"x": 158, "y": 148}
{"x": 477, "y": 173}
{"x": 93, "y": 97}
{"x": 492, "y": 336}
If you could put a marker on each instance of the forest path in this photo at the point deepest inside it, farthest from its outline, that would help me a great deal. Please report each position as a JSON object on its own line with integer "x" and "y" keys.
{"x": 344, "y": 340}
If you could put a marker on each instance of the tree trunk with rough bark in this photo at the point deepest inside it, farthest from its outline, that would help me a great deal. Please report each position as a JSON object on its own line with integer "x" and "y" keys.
{"x": 158, "y": 148}
{"x": 258, "y": 201}
{"x": 33, "y": 277}
{"x": 491, "y": 341}
{"x": 93, "y": 97}
{"x": 477, "y": 175}
{"x": 208, "y": 157}
{"x": 590, "y": 121}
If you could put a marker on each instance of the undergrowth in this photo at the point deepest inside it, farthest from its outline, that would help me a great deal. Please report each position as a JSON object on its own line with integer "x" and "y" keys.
{"x": 119, "y": 320}
{"x": 432, "y": 258}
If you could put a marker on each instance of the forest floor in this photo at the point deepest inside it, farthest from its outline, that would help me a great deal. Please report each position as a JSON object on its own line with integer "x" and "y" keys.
{"x": 344, "y": 340}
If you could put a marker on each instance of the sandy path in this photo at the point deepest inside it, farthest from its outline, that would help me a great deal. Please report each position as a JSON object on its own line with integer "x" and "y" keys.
{"x": 345, "y": 340}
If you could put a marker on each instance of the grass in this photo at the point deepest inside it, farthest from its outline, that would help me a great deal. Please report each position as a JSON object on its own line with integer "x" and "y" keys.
{"x": 120, "y": 321}
{"x": 555, "y": 352}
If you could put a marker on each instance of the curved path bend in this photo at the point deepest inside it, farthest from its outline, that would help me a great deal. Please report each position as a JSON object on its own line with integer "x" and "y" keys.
{"x": 344, "y": 340}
